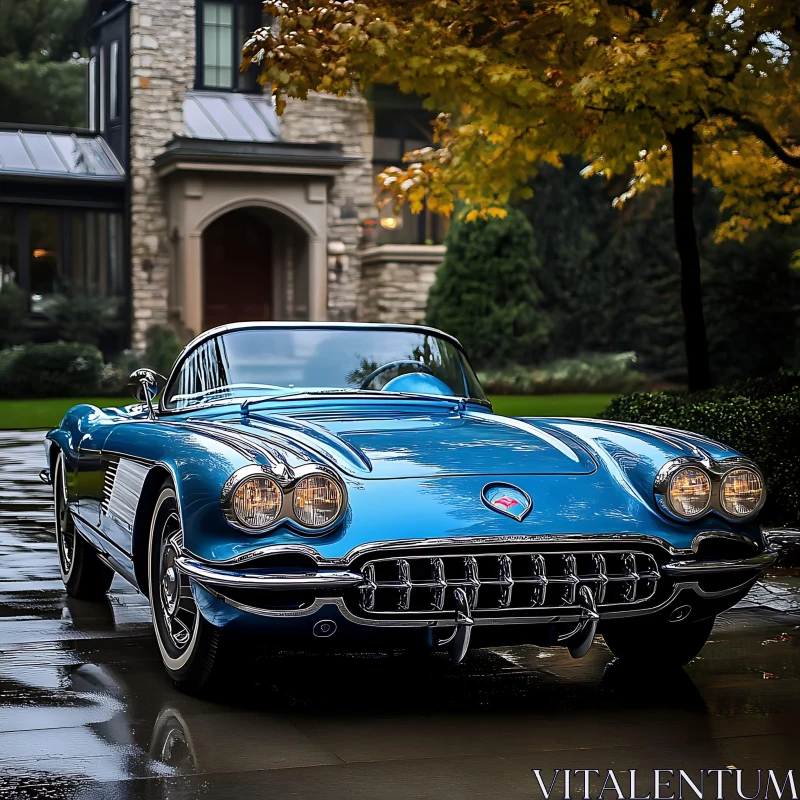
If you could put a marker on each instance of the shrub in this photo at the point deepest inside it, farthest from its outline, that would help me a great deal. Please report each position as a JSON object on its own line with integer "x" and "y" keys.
{"x": 162, "y": 348}
{"x": 486, "y": 292}
{"x": 59, "y": 369}
{"x": 592, "y": 372}
{"x": 82, "y": 317}
{"x": 759, "y": 417}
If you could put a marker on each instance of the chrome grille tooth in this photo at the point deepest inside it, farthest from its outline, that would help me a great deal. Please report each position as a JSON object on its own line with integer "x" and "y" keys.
{"x": 506, "y": 581}
{"x": 601, "y": 571}
{"x": 631, "y": 577}
{"x": 437, "y": 570}
{"x": 571, "y": 578}
{"x": 473, "y": 581}
{"x": 367, "y": 589}
{"x": 404, "y": 591}
{"x": 539, "y": 579}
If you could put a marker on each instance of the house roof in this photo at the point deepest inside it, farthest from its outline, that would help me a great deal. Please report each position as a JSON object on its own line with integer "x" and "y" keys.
{"x": 230, "y": 116}
{"x": 186, "y": 152}
{"x": 59, "y": 155}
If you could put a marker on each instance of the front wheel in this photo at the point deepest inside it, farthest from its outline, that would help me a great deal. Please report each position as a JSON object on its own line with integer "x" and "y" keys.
{"x": 657, "y": 645}
{"x": 85, "y": 576}
{"x": 189, "y": 644}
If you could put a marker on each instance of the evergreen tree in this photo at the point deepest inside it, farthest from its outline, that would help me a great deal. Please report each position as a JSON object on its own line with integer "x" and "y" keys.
{"x": 611, "y": 279}
{"x": 42, "y": 74}
{"x": 486, "y": 291}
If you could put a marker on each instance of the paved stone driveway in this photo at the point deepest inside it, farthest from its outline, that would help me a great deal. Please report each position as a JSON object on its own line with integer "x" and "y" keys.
{"x": 87, "y": 712}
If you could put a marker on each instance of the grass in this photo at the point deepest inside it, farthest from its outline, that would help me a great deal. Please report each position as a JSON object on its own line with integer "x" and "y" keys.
{"x": 551, "y": 405}
{"x": 33, "y": 414}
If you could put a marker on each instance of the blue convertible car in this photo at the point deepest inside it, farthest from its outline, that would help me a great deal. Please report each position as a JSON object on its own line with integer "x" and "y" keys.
{"x": 349, "y": 485}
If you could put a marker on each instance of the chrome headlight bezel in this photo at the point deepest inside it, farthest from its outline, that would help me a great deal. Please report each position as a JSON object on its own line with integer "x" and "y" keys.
{"x": 286, "y": 481}
{"x": 716, "y": 472}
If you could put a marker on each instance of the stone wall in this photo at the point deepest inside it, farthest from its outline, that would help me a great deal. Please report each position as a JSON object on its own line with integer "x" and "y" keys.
{"x": 395, "y": 281}
{"x": 347, "y": 121}
{"x": 162, "y": 67}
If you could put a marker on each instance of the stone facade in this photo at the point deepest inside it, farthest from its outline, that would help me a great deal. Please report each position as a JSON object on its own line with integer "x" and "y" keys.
{"x": 395, "y": 281}
{"x": 387, "y": 283}
{"x": 346, "y": 121}
{"x": 162, "y": 68}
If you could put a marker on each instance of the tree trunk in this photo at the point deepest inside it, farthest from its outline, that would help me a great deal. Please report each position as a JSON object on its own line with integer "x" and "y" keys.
{"x": 697, "y": 360}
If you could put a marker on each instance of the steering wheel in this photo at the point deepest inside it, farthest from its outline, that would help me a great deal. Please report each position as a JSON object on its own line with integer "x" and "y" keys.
{"x": 417, "y": 365}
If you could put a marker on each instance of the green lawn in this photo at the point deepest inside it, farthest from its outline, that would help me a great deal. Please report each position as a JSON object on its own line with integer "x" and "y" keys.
{"x": 31, "y": 414}
{"x": 551, "y": 405}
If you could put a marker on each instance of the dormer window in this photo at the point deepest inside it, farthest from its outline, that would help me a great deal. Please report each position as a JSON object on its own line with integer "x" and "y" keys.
{"x": 222, "y": 27}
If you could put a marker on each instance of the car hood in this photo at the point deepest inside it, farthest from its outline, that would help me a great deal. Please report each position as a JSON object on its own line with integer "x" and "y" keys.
{"x": 409, "y": 441}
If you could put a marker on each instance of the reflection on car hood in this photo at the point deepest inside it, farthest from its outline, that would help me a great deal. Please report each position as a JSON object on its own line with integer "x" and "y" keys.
{"x": 410, "y": 440}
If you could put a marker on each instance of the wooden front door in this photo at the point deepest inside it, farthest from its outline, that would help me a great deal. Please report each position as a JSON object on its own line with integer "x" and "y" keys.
{"x": 237, "y": 270}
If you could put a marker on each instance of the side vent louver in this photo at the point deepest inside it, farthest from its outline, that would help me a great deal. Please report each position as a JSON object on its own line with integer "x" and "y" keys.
{"x": 108, "y": 484}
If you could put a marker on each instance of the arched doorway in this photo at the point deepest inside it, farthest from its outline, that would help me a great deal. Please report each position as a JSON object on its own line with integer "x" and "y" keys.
{"x": 255, "y": 267}
{"x": 237, "y": 270}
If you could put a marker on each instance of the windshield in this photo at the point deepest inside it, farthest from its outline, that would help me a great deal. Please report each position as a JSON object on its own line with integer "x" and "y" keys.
{"x": 265, "y": 362}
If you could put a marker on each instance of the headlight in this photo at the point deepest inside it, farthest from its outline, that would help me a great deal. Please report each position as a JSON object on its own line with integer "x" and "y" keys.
{"x": 741, "y": 492}
{"x": 256, "y": 502}
{"x": 317, "y": 501}
{"x": 689, "y": 492}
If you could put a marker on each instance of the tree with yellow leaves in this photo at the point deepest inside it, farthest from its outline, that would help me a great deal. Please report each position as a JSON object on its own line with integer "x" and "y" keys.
{"x": 661, "y": 90}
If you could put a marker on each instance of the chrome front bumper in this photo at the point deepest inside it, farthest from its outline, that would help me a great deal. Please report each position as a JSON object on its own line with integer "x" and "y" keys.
{"x": 328, "y": 580}
{"x": 760, "y": 561}
{"x": 320, "y": 581}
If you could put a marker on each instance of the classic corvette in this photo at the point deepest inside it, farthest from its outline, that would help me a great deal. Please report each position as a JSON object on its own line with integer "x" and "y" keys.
{"x": 349, "y": 486}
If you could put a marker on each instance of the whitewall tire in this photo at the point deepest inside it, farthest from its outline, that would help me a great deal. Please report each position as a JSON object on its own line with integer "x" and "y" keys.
{"x": 188, "y": 643}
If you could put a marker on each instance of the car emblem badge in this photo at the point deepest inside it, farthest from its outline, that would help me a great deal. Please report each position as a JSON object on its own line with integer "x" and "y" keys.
{"x": 507, "y": 499}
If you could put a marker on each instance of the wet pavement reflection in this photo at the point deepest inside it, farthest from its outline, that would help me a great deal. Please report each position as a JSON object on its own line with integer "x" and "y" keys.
{"x": 87, "y": 712}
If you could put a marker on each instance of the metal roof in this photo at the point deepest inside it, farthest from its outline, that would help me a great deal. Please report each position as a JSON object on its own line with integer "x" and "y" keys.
{"x": 230, "y": 116}
{"x": 44, "y": 154}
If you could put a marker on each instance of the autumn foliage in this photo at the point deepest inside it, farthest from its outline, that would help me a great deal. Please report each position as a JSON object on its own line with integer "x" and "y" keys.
{"x": 528, "y": 81}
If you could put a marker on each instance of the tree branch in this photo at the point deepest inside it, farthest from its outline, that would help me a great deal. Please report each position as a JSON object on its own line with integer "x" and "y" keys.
{"x": 760, "y": 132}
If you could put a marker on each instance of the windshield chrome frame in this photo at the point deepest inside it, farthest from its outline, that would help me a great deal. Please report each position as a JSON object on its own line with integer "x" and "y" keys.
{"x": 333, "y": 391}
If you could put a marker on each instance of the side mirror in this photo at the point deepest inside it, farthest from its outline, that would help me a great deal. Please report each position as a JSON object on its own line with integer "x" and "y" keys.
{"x": 144, "y": 385}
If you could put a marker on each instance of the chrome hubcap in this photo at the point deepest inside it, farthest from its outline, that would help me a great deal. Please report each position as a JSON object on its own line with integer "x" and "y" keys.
{"x": 177, "y": 603}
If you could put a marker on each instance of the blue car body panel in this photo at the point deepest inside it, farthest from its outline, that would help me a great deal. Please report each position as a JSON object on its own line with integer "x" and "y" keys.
{"x": 429, "y": 460}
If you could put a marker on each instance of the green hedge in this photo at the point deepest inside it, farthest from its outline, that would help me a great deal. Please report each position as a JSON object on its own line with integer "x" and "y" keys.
{"x": 607, "y": 373}
{"x": 59, "y": 369}
{"x": 759, "y": 417}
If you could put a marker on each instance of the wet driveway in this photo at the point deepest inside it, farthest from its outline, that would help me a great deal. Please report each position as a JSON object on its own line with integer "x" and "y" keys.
{"x": 86, "y": 711}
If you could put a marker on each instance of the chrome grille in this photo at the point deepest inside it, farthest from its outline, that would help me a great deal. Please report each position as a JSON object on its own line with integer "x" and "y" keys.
{"x": 507, "y": 581}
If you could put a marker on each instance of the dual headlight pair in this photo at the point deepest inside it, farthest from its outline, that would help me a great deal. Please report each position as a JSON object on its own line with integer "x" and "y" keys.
{"x": 255, "y": 501}
{"x": 691, "y": 490}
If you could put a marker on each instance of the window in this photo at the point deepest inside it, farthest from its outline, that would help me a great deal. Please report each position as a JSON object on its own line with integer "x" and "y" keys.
{"x": 93, "y": 93}
{"x": 218, "y": 45}
{"x": 49, "y": 250}
{"x": 46, "y": 256}
{"x": 113, "y": 80}
{"x": 401, "y": 126}
{"x": 102, "y": 89}
{"x": 223, "y": 26}
{"x": 263, "y": 362}
{"x": 9, "y": 259}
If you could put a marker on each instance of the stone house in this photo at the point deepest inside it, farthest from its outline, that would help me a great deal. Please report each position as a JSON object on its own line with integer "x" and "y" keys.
{"x": 193, "y": 202}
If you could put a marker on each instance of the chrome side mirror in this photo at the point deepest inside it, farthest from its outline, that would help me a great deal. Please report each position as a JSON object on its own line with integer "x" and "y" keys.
{"x": 144, "y": 385}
